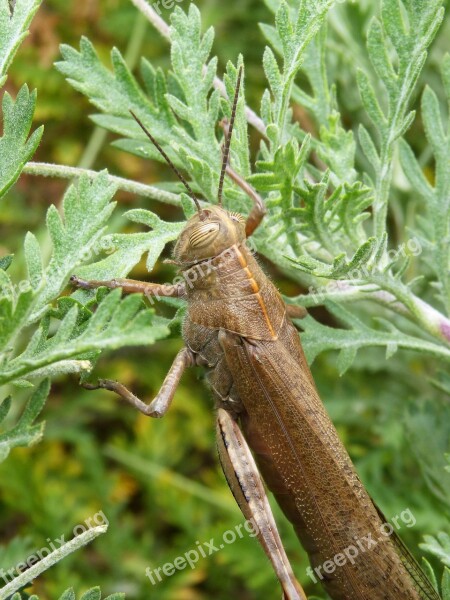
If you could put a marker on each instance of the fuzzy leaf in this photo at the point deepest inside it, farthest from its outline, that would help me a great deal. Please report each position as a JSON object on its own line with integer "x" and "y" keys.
{"x": 14, "y": 21}
{"x": 436, "y": 198}
{"x": 5, "y": 262}
{"x": 370, "y": 101}
{"x": 190, "y": 98}
{"x": 16, "y": 146}
{"x": 318, "y": 338}
{"x": 129, "y": 248}
{"x": 92, "y": 594}
{"x": 14, "y": 313}
{"x": 438, "y": 546}
{"x": 428, "y": 570}
{"x": 33, "y": 259}
{"x": 115, "y": 323}
{"x": 393, "y": 117}
{"x": 369, "y": 148}
{"x": 69, "y": 594}
{"x": 24, "y": 433}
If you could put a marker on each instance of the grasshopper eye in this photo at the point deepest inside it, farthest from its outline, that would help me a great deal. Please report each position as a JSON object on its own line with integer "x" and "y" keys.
{"x": 203, "y": 234}
{"x": 234, "y": 216}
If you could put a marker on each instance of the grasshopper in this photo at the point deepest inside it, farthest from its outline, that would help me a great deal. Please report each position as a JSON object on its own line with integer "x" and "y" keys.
{"x": 239, "y": 328}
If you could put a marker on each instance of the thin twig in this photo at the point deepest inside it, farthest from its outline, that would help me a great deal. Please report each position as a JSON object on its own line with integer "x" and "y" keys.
{"x": 51, "y": 559}
{"x": 140, "y": 189}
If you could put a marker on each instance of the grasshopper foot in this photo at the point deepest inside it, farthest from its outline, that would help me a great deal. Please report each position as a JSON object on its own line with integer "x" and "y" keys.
{"x": 108, "y": 384}
{"x": 91, "y": 386}
{"x": 105, "y": 384}
{"x": 80, "y": 283}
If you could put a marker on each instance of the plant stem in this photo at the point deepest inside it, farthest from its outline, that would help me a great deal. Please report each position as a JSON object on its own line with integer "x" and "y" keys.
{"x": 152, "y": 16}
{"x": 403, "y": 303}
{"x": 140, "y": 189}
{"x": 424, "y": 315}
{"x": 50, "y": 560}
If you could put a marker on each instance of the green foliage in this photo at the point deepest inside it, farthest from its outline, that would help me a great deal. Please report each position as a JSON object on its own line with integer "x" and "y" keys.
{"x": 294, "y": 31}
{"x": 434, "y": 227}
{"x": 410, "y": 41}
{"x": 16, "y": 148}
{"x": 323, "y": 219}
{"x": 186, "y": 96}
{"x": 69, "y": 594}
{"x": 80, "y": 333}
{"x": 15, "y": 17}
{"x": 334, "y": 121}
{"x": 318, "y": 337}
{"x": 439, "y": 546}
{"x": 24, "y": 433}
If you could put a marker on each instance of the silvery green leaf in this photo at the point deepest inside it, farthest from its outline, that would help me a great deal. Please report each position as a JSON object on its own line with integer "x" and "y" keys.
{"x": 317, "y": 338}
{"x": 33, "y": 259}
{"x": 115, "y": 323}
{"x": 15, "y": 19}
{"x": 438, "y": 546}
{"x": 369, "y": 148}
{"x": 24, "y": 433}
{"x": 17, "y": 146}
{"x": 76, "y": 235}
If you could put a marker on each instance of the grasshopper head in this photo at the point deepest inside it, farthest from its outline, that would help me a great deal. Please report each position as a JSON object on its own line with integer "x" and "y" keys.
{"x": 207, "y": 234}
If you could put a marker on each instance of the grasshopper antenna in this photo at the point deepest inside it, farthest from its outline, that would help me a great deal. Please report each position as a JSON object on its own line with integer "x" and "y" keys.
{"x": 226, "y": 151}
{"x": 168, "y": 161}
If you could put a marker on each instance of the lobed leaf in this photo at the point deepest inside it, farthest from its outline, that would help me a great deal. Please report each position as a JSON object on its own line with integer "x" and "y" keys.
{"x": 14, "y": 21}
{"x": 317, "y": 338}
{"x": 115, "y": 323}
{"x": 24, "y": 433}
{"x": 16, "y": 145}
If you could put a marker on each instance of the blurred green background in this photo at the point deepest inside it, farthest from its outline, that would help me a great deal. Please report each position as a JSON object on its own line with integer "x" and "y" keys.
{"x": 158, "y": 481}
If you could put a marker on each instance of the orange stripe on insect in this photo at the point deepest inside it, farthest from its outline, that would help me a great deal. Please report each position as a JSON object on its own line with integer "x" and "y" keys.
{"x": 255, "y": 287}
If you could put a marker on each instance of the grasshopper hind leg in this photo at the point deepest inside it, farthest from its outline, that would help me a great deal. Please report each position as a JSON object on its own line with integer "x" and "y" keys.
{"x": 245, "y": 482}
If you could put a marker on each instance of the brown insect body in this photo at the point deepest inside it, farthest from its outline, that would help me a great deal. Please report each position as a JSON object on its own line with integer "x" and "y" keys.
{"x": 238, "y": 327}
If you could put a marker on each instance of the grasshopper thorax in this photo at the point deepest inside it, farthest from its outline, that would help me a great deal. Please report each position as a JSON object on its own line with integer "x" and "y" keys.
{"x": 207, "y": 234}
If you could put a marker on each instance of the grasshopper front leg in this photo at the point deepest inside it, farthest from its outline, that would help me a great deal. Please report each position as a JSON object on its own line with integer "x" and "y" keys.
{"x": 185, "y": 358}
{"x": 160, "y": 404}
{"x": 245, "y": 482}
{"x": 132, "y": 286}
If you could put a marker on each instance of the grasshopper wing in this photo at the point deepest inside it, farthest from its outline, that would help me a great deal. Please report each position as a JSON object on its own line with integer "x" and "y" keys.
{"x": 308, "y": 469}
